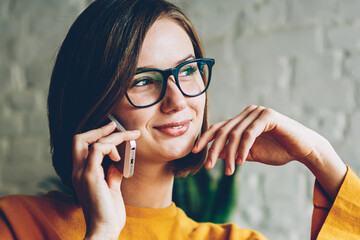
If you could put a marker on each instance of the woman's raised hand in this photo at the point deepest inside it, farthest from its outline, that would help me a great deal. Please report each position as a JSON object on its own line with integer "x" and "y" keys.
{"x": 264, "y": 135}
{"x": 100, "y": 198}
{"x": 256, "y": 134}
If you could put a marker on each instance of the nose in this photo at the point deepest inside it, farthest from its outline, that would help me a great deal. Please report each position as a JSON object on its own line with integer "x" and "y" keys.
{"x": 173, "y": 100}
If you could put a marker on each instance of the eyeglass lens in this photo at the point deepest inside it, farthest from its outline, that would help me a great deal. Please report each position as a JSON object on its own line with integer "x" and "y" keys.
{"x": 147, "y": 87}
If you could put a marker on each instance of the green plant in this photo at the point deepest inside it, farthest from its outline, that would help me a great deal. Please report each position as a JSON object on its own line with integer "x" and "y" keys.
{"x": 205, "y": 198}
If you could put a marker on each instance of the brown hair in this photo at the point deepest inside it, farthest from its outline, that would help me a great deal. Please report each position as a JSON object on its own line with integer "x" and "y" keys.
{"x": 94, "y": 67}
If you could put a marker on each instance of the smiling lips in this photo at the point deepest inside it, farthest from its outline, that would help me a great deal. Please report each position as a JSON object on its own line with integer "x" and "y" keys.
{"x": 174, "y": 129}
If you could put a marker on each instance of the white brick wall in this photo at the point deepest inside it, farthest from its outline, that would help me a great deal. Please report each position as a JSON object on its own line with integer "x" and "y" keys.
{"x": 30, "y": 35}
{"x": 300, "y": 57}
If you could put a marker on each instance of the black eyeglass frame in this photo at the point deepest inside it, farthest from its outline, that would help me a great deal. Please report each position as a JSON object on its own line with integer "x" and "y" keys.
{"x": 175, "y": 71}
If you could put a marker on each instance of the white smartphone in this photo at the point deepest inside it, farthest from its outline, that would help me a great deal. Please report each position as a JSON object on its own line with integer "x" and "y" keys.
{"x": 127, "y": 152}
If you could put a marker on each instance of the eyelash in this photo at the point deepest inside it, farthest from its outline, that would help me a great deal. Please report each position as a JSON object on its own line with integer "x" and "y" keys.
{"x": 137, "y": 81}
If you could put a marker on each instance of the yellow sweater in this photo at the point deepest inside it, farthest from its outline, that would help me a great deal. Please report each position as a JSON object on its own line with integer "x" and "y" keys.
{"x": 55, "y": 216}
{"x": 341, "y": 219}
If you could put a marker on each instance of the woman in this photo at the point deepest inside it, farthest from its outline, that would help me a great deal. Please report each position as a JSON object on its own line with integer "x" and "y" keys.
{"x": 141, "y": 61}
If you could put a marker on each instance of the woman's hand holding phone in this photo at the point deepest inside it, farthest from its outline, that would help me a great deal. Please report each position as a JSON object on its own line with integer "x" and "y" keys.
{"x": 100, "y": 198}
{"x": 263, "y": 135}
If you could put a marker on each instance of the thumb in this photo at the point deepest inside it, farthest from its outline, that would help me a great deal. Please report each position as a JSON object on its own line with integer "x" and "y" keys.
{"x": 114, "y": 178}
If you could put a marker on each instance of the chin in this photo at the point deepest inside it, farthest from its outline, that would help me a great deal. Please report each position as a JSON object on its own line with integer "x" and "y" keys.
{"x": 173, "y": 155}
{"x": 164, "y": 149}
{"x": 173, "y": 150}
{"x": 176, "y": 150}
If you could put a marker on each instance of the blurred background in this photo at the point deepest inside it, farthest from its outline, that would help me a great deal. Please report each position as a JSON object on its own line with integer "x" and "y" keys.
{"x": 300, "y": 57}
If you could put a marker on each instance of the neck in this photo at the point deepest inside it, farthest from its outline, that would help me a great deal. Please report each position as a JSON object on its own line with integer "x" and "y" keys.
{"x": 150, "y": 187}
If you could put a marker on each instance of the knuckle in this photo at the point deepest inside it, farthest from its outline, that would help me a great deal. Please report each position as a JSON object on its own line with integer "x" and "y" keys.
{"x": 230, "y": 150}
{"x": 77, "y": 139}
{"x": 251, "y": 107}
{"x": 218, "y": 124}
{"x": 268, "y": 111}
{"x": 79, "y": 143}
{"x": 233, "y": 134}
{"x": 222, "y": 131}
{"x": 211, "y": 151}
{"x": 213, "y": 126}
{"x": 98, "y": 146}
{"x": 241, "y": 152}
{"x": 248, "y": 134}
{"x": 261, "y": 108}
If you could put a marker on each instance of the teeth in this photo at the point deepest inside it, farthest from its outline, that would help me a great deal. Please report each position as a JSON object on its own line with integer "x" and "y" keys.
{"x": 178, "y": 127}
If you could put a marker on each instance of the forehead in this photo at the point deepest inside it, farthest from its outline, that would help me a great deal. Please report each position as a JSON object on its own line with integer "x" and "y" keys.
{"x": 165, "y": 44}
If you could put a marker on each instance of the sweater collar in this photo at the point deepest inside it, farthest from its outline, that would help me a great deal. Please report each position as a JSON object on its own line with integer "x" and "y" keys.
{"x": 138, "y": 212}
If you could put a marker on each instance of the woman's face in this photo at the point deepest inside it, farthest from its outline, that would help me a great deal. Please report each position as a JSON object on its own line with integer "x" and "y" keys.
{"x": 170, "y": 127}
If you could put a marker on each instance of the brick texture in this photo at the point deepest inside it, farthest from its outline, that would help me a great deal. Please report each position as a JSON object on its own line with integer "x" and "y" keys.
{"x": 300, "y": 57}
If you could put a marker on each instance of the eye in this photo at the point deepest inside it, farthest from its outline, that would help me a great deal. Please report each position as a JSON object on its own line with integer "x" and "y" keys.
{"x": 142, "y": 82}
{"x": 188, "y": 70}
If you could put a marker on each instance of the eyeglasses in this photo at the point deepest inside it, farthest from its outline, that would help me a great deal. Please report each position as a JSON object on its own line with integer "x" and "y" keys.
{"x": 149, "y": 85}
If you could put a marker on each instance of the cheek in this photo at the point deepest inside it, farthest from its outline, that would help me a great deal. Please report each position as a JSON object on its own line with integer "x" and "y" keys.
{"x": 136, "y": 120}
{"x": 198, "y": 106}
{"x": 133, "y": 118}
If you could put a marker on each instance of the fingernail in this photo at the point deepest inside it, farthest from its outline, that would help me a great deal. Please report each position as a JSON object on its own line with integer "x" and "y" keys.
{"x": 208, "y": 164}
{"x": 228, "y": 171}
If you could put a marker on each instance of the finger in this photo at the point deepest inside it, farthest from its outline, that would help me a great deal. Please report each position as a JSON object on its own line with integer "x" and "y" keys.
{"x": 223, "y": 153}
{"x": 218, "y": 146}
{"x": 211, "y": 133}
{"x": 96, "y": 155}
{"x": 235, "y": 136}
{"x": 82, "y": 141}
{"x": 207, "y": 136}
{"x": 119, "y": 137}
{"x": 223, "y": 135}
{"x": 94, "y": 135}
{"x": 114, "y": 178}
{"x": 210, "y": 164}
{"x": 105, "y": 146}
{"x": 261, "y": 125}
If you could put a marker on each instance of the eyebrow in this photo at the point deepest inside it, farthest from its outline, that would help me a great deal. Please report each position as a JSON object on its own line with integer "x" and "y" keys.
{"x": 189, "y": 57}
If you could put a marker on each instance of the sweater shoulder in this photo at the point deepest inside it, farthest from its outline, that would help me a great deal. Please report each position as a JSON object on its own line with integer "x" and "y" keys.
{"x": 50, "y": 216}
{"x": 52, "y": 198}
